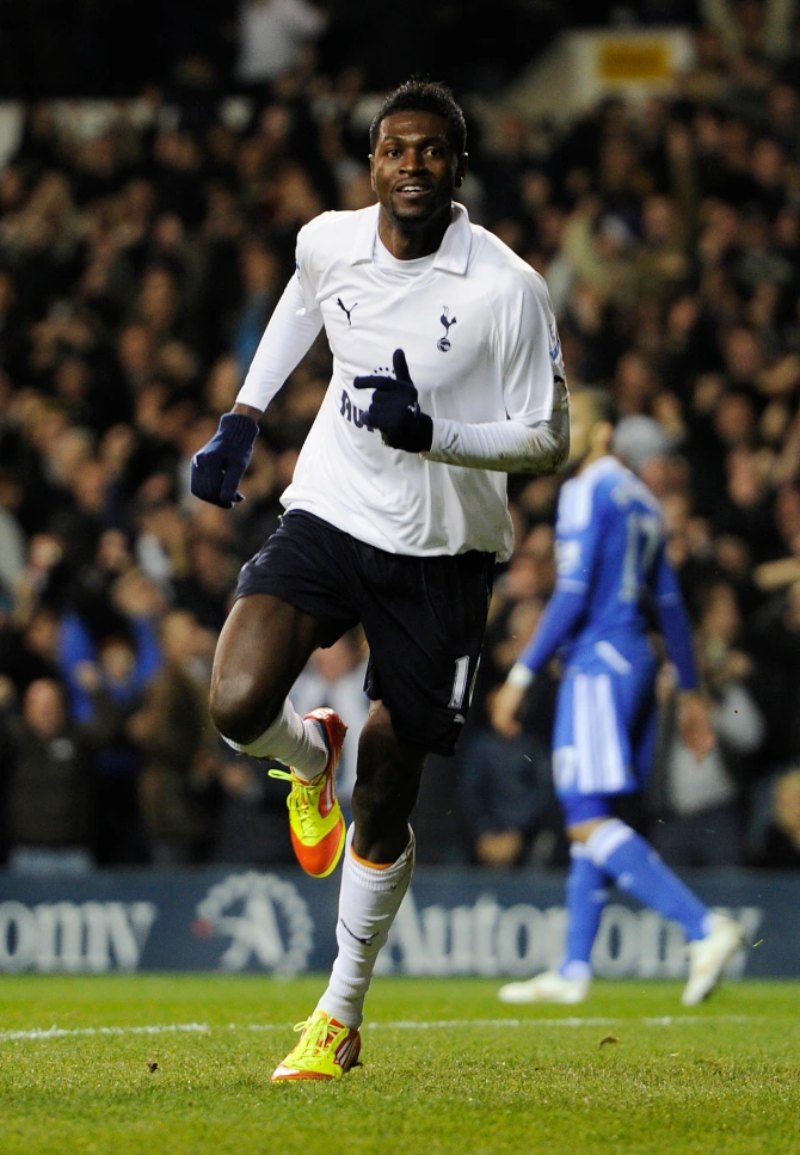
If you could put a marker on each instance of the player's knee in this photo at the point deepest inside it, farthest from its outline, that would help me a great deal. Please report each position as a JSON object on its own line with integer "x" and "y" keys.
{"x": 381, "y": 830}
{"x": 237, "y": 710}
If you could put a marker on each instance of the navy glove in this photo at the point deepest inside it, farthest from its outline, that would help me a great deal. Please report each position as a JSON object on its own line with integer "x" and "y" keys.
{"x": 395, "y": 410}
{"x": 219, "y": 466}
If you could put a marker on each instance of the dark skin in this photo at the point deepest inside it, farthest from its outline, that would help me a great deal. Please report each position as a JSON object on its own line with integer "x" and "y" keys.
{"x": 265, "y": 642}
{"x": 414, "y": 170}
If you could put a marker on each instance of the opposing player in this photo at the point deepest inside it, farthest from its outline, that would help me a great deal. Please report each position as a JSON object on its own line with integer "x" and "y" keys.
{"x": 615, "y": 583}
{"x": 447, "y": 375}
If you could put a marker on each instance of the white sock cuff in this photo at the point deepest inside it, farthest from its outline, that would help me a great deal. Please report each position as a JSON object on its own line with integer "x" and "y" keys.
{"x": 607, "y": 838}
{"x": 265, "y": 745}
{"x": 386, "y": 879}
{"x": 576, "y": 969}
{"x": 291, "y": 740}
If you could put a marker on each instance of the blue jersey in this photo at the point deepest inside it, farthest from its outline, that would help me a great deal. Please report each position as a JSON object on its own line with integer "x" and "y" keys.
{"x": 615, "y": 581}
{"x": 610, "y": 552}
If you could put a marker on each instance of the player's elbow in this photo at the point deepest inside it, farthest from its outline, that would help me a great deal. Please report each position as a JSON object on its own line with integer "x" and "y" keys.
{"x": 549, "y": 445}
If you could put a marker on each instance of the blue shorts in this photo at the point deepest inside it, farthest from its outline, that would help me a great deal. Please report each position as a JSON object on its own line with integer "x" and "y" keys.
{"x": 424, "y": 618}
{"x": 605, "y": 726}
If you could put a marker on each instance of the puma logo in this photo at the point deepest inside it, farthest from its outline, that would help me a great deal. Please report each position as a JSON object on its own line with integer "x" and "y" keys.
{"x": 345, "y": 309}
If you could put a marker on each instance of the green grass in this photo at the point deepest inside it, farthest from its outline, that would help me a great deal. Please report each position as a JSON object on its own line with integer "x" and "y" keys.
{"x": 447, "y": 1069}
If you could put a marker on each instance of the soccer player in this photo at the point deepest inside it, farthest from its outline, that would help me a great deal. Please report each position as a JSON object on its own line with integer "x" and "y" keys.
{"x": 447, "y": 375}
{"x": 615, "y": 583}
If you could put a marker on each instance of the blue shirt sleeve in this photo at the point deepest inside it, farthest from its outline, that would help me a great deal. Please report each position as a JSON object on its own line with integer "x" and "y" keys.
{"x": 577, "y": 537}
{"x": 558, "y": 624}
{"x": 675, "y": 623}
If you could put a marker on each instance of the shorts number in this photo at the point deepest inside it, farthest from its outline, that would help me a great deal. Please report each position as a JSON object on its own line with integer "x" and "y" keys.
{"x": 461, "y": 683}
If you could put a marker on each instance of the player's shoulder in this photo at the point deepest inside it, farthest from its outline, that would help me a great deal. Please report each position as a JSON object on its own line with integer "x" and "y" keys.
{"x": 335, "y": 230}
{"x": 619, "y": 487}
{"x": 491, "y": 254}
{"x": 602, "y": 475}
{"x": 576, "y": 500}
{"x": 585, "y": 495}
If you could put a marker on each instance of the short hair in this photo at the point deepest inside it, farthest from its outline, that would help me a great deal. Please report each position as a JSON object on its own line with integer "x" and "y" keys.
{"x": 418, "y": 95}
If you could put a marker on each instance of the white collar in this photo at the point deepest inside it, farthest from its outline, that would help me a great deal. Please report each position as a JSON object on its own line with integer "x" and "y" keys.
{"x": 452, "y": 255}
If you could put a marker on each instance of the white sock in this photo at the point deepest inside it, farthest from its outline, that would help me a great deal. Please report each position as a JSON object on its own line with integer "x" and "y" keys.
{"x": 292, "y": 740}
{"x": 369, "y": 899}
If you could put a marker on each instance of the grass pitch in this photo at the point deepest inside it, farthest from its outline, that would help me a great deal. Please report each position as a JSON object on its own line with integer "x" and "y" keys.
{"x": 180, "y": 1065}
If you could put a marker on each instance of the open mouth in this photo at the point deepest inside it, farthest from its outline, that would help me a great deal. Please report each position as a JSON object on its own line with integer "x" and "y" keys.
{"x": 412, "y": 190}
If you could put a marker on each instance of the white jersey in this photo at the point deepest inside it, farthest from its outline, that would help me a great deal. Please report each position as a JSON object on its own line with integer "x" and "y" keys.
{"x": 480, "y": 339}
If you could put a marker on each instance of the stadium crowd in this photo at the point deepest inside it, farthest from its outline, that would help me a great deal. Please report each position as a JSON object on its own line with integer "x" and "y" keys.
{"x": 143, "y": 244}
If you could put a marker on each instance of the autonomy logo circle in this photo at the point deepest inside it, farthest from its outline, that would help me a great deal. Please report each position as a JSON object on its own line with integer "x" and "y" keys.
{"x": 265, "y": 918}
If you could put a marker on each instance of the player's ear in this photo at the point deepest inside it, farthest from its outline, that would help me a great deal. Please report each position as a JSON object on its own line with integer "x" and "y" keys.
{"x": 462, "y": 167}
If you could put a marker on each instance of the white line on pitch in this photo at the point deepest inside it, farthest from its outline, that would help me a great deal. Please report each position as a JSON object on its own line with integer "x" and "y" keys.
{"x": 73, "y": 1032}
{"x": 43, "y": 1034}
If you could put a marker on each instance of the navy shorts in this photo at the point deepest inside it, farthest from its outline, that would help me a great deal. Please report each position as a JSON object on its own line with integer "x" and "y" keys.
{"x": 424, "y": 618}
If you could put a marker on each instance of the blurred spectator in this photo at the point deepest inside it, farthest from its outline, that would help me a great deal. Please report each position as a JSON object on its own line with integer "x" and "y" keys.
{"x": 510, "y": 815}
{"x": 774, "y": 829}
{"x": 29, "y": 650}
{"x": 45, "y": 578}
{"x": 118, "y": 636}
{"x": 274, "y": 37}
{"x": 83, "y": 519}
{"x": 206, "y": 584}
{"x": 161, "y": 544}
{"x": 12, "y": 538}
{"x": 110, "y": 650}
{"x": 635, "y": 384}
{"x": 661, "y": 263}
{"x": 774, "y": 643}
{"x": 746, "y": 509}
{"x": 780, "y": 572}
{"x": 48, "y": 815}
{"x": 171, "y": 728}
{"x": 759, "y": 29}
{"x": 262, "y": 279}
{"x": 698, "y": 807}
{"x": 250, "y": 818}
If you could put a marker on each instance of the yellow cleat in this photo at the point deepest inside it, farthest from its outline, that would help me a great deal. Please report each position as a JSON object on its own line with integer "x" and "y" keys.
{"x": 327, "y": 1050}
{"x": 316, "y": 821}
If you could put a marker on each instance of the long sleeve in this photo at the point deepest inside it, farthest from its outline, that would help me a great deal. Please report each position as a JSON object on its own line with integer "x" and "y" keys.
{"x": 508, "y": 446}
{"x": 675, "y": 624}
{"x": 290, "y": 333}
{"x": 558, "y": 625}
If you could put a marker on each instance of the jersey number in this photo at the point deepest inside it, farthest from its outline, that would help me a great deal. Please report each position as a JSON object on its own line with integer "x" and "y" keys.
{"x": 644, "y": 535}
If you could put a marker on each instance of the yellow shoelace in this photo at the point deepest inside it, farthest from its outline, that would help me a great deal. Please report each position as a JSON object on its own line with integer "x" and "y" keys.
{"x": 314, "y": 1044}
{"x": 303, "y": 798}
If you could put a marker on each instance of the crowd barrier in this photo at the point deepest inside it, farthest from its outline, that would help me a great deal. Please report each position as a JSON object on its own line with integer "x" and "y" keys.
{"x": 454, "y": 921}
